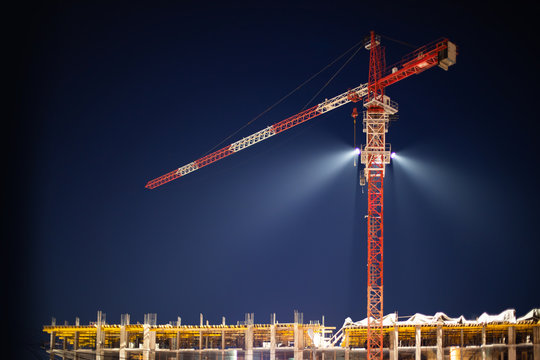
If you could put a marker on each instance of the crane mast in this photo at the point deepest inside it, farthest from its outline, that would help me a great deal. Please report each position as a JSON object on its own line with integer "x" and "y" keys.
{"x": 374, "y": 156}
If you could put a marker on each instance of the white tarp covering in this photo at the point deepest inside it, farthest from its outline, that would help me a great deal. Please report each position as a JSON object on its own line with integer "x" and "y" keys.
{"x": 534, "y": 314}
{"x": 507, "y": 316}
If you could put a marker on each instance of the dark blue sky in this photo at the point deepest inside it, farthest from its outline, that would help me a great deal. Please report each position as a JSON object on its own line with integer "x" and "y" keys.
{"x": 108, "y": 97}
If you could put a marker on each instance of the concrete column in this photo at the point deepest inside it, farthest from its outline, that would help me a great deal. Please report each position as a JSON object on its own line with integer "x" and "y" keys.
{"x": 99, "y": 337}
{"x": 223, "y": 337}
{"x": 123, "y": 343}
{"x": 536, "y": 342}
{"x": 394, "y": 336}
{"x": 298, "y": 342}
{"x": 273, "y": 342}
{"x": 75, "y": 345}
{"x": 51, "y": 345}
{"x": 511, "y": 343}
{"x": 461, "y": 348}
{"x": 201, "y": 323}
{"x": 440, "y": 351}
{"x": 64, "y": 345}
{"x": 149, "y": 343}
{"x": 178, "y": 355}
{"x": 418, "y": 343}
{"x": 249, "y": 342}
{"x": 324, "y": 337}
{"x": 484, "y": 354}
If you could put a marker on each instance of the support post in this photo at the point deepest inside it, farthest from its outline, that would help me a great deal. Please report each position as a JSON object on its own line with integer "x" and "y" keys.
{"x": 223, "y": 336}
{"x": 149, "y": 337}
{"x": 536, "y": 342}
{"x": 273, "y": 336}
{"x": 324, "y": 337}
{"x": 461, "y": 347}
{"x": 64, "y": 345}
{"x": 178, "y": 324}
{"x": 124, "y": 321}
{"x": 298, "y": 337}
{"x": 200, "y": 335}
{"x": 51, "y": 345}
{"x": 123, "y": 343}
{"x": 149, "y": 343}
{"x": 99, "y": 336}
{"x": 484, "y": 354}
{"x": 418, "y": 343}
{"x": 440, "y": 352}
{"x": 76, "y": 340}
{"x": 394, "y": 336}
{"x": 249, "y": 337}
{"x": 75, "y": 345}
{"x": 511, "y": 343}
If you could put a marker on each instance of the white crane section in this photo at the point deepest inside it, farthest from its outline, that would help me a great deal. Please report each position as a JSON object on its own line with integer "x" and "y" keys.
{"x": 252, "y": 139}
{"x": 186, "y": 169}
{"x": 342, "y": 99}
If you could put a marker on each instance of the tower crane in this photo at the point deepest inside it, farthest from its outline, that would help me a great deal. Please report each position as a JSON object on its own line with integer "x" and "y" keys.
{"x": 374, "y": 155}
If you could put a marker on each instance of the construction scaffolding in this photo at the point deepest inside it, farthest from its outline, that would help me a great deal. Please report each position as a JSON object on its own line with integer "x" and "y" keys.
{"x": 496, "y": 339}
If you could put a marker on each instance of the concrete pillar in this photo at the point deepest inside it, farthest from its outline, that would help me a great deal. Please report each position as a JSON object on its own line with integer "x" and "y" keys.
{"x": 273, "y": 341}
{"x": 51, "y": 345}
{"x": 511, "y": 343}
{"x": 536, "y": 342}
{"x": 75, "y": 345}
{"x": 461, "y": 348}
{"x": 64, "y": 345}
{"x": 201, "y": 323}
{"x": 394, "y": 336}
{"x": 99, "y": 337}
{"x": 149, "y": 343}
{"x": 298, "y": 342}
{"x": 324, "y": 337}
{"x": 178, "y": 355}
{"x": 76, "y": 340}
{"x": 418, "y": 343}
{"x": 484, "y": 353}
{"x": 223, "y": 337}
{"x": 440, "y": 351}
{"x": 249, "y": 342}
{"x": 123, "y": 343}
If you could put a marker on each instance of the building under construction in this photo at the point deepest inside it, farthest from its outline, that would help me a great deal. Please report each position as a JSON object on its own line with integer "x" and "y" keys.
{"x": 420, "y": 337}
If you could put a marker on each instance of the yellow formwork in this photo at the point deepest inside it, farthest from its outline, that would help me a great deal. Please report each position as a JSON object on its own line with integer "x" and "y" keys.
{"x": 189, "y": 336}
{"x": 356, "y": 336}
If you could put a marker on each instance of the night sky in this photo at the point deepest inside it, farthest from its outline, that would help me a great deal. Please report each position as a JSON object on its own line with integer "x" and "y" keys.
{"x": 107, "y": 97}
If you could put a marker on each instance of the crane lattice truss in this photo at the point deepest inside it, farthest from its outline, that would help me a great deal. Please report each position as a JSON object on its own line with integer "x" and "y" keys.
{"x": 374, "y": 155}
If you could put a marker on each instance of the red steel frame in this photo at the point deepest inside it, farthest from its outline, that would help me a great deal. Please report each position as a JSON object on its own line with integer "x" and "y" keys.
{"x": 226, "y": 151}
{"x": 375, "y": 179}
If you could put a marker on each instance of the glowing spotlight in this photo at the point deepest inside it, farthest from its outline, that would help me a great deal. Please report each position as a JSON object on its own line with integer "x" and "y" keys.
{"x": 393, "y": 155}
{"x": 357, "y": 151}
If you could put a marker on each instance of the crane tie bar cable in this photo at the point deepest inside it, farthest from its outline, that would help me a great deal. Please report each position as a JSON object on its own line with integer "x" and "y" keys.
{"x": 292, "y": 92}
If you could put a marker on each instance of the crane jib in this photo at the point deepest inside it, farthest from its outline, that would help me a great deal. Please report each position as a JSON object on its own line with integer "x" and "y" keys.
{"x": 441, "y": 52}
{"x": 259, "y": 136}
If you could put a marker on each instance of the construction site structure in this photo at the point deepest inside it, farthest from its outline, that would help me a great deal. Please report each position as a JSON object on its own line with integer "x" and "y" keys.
{"x": 438, "y": 338}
